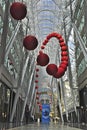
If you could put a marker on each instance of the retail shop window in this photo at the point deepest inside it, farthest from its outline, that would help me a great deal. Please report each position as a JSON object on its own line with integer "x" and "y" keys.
{"x": 10, "y": 66}
{"x": 4, "y": 102}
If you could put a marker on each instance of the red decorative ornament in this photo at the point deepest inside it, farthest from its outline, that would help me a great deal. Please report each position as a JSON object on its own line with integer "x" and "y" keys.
{"x": 45, "y": 42}
{"x": 59, "y": 73}
{"x": 40, "y": 105}
{"x": 36, "y": 81}
{"x": 37, "y": 75}
{"x": 37, "y": 102}
{"x": 51, "y": 69}
{"x": 37, "y": 93}
{"x": 64, "y": 53}
{"x": 18, "y": 10}
{"x": 54, "y": 35}
{"x": 40, "y": 52}
{"x": 61, "y": 40}
{"x": 64, "y": 58}
{"x": 40, "y": 108}
{"x": 42, "y": 47}
{"x": 64, "y": 66}
{"x": 30, "y": 42}
{"x": 64, "y": 48}
{"x": 62, "y": 44}
{"x": 65, "y": 62}
{"x": 37, "y": 69}
{"x": 37, "y": 97}
{"x": 42, "y": 59}
{"x": 36, "y": 87}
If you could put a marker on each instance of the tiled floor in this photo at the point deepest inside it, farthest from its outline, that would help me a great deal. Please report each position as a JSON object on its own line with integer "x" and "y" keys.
{"x": 38, "y": 126}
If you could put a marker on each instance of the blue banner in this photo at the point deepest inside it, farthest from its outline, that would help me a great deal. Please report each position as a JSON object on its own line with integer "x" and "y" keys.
{"x": 45, "y": 113}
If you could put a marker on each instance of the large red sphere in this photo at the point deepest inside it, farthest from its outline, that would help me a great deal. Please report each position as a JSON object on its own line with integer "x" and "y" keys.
{"x": 42, "y": 59}
{"x": 18, "y": 10}
{"x": 59, "y": 73}
{"x": 51, "y": 69}
{"x": 30, "y": 42}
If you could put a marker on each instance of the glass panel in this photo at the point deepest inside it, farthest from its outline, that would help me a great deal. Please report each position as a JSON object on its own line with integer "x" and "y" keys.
{"x": 81, "y": 67}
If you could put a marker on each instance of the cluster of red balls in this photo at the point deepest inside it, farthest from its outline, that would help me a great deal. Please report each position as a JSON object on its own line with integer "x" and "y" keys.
{"x": 18, "y": 11}
{"x": 43, "y": 59}
{"x": 36, "y": 87}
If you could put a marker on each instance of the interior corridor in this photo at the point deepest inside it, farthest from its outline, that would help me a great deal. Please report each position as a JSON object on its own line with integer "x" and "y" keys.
{"x": 43, "y": 64}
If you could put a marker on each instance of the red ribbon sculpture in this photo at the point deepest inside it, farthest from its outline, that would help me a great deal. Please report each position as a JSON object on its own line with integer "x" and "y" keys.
{"x": 43, "y": 59}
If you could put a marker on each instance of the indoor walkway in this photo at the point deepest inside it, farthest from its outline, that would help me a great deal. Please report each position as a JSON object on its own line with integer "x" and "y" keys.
{"x": 44, "y": 127}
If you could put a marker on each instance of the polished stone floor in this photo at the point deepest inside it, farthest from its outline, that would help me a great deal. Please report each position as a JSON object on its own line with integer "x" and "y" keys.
{"x": 38, "y": 126}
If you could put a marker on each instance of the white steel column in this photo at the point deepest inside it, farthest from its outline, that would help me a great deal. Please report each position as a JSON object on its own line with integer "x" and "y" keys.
{"x": 59, "y": 102}
{"x": 11, "y": 41}
{"x": 62, "y": 87}
{"x": 20, "y": 81}
{"x": 4, "y": 32}
{"x": 29, "y": 85}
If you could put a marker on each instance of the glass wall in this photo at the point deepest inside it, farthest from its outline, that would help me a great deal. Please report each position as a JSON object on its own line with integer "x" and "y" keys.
{"x": 4, "y": 102}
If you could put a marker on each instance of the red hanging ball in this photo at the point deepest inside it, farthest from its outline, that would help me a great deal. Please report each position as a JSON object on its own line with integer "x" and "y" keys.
{"x": 65, "y": 62}
{"x": 64, "y": 53}
{"x": 42, "y": 47}
{"x": 37, "y": 69}
{"x": 49, "y": 36}
{"x": 37, "y": 102}
{"x": 40, "y": 52}
{"x": 56, "y": 35}
{"x": 51, "y": 69}
{"x": 30, "y": 42}
{"x": 40, "y": 108}
{"x": 42, "y": 59}
{"x": 36, "y": 81}
{"x": 40, "y": 105}
{"x": 45, "y": 42}
{"x": 37, "y": 75}
{"x": 64, "y": 58}
{"x": 37, "y": 93}
{"x": 63, "y": 66}
{"x": 62, "y": 44}
{"x": 59, "y": 73}
{"x": 18, "y": 10}
{"x": 36, "y": 87}
{"x": 64, "y": 48}
{"x": 61, "y": 40}
{"x": 37, "y": 97}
